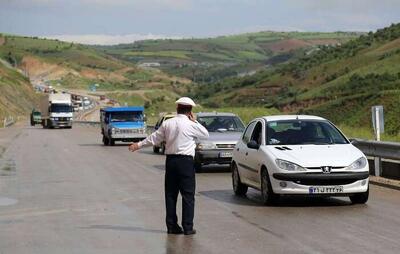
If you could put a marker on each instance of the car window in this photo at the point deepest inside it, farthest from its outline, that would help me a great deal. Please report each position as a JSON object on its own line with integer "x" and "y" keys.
{"x": 257, "y": 133}
{"x": 298, "y": 132}
{"x": 221, "y": 123}
{"x": 247, "y": 134}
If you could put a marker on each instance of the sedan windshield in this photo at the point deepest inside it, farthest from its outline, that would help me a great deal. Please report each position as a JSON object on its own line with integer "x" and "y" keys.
{"x": 131, "y": 116}
{"x": 302, "y": 132}
{"x": 221, "y": 123}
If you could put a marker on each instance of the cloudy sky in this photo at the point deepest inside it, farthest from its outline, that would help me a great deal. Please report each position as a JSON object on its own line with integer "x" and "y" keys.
{"x": 114, "y": 21}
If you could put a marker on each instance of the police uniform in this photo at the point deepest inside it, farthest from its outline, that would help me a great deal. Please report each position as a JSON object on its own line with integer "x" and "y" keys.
{"x": 180, "y": 134}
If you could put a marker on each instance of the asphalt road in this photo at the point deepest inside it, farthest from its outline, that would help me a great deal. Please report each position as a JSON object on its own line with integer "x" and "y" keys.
{"x": 61, "y": 191}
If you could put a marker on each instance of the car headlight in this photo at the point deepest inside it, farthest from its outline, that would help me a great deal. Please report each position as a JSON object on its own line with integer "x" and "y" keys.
{"x": 289, "y": 166}
{"x": 113, "y": 130}
{"x": 358, "y": 164}
{"x": 206, "y": 146}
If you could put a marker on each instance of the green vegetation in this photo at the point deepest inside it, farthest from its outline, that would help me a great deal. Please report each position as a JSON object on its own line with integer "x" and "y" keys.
{"x": 17, "y": 96}
{"x": 340, "y": 83}
{"x": 211, "y": 59}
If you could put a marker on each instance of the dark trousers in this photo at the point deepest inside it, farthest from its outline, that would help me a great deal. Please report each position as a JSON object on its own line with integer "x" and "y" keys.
{"x": 180, "y": 178}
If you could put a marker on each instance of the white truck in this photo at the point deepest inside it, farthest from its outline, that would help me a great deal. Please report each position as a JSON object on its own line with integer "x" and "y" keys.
{"x": 57, "y": 110}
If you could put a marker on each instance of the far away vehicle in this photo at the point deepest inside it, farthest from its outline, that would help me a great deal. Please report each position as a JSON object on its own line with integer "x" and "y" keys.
{"x": 36, "y": 117}
{"x": 225, "y": 130}
{"x": 161, "y": 148}
{"x": 56, "y": 110}
{"x": 298, "y": 155}
{"x": 127, "y": 124}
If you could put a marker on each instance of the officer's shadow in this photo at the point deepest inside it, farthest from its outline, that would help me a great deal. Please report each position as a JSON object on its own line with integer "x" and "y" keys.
{"x": 176, "y": 244}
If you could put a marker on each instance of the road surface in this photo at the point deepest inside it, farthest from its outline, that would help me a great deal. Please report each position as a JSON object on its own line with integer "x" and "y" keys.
{"x": 61, "y": 191}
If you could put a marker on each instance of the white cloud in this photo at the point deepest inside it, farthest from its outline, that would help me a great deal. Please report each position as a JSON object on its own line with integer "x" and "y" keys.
{"x": 103, "y": 39}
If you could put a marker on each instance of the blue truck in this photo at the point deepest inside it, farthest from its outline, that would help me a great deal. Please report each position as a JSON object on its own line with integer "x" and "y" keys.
{"x": 126, "y": 124}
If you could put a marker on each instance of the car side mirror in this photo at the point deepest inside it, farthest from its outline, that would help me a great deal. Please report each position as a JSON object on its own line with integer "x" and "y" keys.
{"x": 253, "y": 145}
{"x": 145, "y": 118}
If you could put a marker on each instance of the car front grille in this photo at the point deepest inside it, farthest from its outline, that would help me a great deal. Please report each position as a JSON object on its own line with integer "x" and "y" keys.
{"x": 226, "y": 146}
{"x": 325, "y": 182}
{"x": 130, "y": 131}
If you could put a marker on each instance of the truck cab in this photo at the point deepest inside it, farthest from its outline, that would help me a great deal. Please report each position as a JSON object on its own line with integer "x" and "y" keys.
{"x": 126, "y": 124}
{"x": 57, "y": 111}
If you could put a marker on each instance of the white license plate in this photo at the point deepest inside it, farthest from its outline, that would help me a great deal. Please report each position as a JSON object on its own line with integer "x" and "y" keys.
{"x": 325, "y": 189}
{"x": 225, "y": 154}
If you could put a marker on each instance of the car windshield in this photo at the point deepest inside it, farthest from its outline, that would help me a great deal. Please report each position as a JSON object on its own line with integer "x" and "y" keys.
{"x": 302, "y": 132}
{"x": 60, "y": 108}
{"x": 37, "y": 114}
{"x": 130, "y": 116}
{"x": 221, "y": 123}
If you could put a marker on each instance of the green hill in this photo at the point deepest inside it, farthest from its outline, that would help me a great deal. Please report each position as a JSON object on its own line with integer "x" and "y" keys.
{"x": 17, "y": 95}
{"x": 78, "y": 66}
{"x": 210, "y": 59}
{"x": 340, "y": 83}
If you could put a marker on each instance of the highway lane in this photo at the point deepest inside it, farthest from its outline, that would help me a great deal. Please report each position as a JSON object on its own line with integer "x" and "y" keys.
{"x": 61, "y": 191}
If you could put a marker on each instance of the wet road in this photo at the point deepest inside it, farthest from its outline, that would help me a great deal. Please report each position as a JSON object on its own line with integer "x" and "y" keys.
{"x": 61, "y": 191}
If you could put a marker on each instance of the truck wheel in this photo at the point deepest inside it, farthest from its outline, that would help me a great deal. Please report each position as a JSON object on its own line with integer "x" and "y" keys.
{"x": 156, "y": 149}
{"x": 111, "y": 142}
{"x": 360, "y": 198}
{"x": 238, "y": 187}
{"x": 32, "y": 123}
{"x": 105, "y": 140}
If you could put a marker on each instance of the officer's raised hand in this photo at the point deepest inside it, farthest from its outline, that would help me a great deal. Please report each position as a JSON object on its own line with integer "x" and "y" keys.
{"x": 134, "y": 147}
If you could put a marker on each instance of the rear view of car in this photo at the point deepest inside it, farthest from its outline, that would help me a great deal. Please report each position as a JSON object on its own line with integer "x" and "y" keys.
{"x": 161, "y": 120}
{"x": 299, "y": 155}
{"x": 225, "y": 130}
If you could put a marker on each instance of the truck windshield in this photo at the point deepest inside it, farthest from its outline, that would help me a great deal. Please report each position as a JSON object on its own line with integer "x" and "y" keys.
{"x": 131, "y": 116}
{"x": 221, "y": 123}
{"x": 60, "y": 108}
{"x": 303, "y": 132}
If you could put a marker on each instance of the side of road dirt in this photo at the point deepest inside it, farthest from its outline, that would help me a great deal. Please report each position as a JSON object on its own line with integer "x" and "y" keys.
{"x": 385, "y": 182}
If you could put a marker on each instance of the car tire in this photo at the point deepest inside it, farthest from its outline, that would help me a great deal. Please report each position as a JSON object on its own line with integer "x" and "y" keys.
{"x": 111, "y": 142}
{"x": 238, "y": 187}
{"x": 156, "y": 149}
{"x": 162, "y": 148}
{"x": 360, "y": 198}
{"x": 267, "y": 194}
{"x": 197, "y": 166}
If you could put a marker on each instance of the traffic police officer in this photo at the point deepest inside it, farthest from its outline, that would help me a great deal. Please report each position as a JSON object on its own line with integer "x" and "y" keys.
{"x": 179, "y": 134}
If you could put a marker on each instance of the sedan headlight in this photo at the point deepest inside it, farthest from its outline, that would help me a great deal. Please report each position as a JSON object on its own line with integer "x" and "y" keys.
{"x": 206, "y": 146}
{"x": 358, "y": 164}
{"x": 289, "y": 166}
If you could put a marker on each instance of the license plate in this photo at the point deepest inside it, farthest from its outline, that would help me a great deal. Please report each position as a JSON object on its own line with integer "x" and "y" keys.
{"x": 325, "y": 189}
{"x": 225, "y": 154}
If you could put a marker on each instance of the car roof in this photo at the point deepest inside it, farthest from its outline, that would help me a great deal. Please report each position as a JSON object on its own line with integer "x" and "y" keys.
{"x": 200, "y": 114}
{"x": 292, "y": 117}
{"x": 122, "y": 109}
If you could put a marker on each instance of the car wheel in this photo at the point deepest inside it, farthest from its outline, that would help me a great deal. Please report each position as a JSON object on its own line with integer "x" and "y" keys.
{"x": 197, "y": 166}
{"x": 267, "y": 194}
{"x": 238, "y": 187}
{"x": 156, "y": 149}
{"x": 162, "y": 149}
{"x": 111, "y": 142}
{"x": 360, "y": 198}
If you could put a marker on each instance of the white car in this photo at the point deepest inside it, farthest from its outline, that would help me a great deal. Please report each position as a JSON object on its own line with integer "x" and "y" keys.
{"x": 299, "y": 154}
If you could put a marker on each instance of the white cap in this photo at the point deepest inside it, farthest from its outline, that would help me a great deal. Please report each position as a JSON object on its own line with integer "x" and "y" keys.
{"x": 186, "y": 101}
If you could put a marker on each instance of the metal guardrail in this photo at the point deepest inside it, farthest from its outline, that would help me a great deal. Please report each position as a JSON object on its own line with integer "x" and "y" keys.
{"x": 8, "y": 121}
{"x": 386, "y": 150}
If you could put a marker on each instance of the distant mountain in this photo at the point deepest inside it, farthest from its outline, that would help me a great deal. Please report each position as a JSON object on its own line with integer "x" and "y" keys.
{"x": 211, "y": 59}
{"x": 340, "y": 82}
